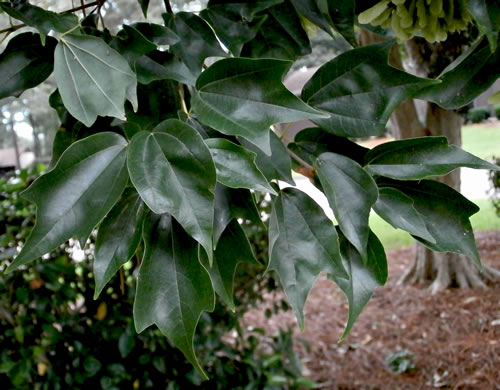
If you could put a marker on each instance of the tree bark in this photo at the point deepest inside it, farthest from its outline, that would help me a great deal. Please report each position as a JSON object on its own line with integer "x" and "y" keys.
{"x": 437, "y": 270}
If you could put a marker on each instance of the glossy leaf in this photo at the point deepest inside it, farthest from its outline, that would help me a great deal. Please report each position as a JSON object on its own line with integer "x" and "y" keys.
{"x": 197, "y": 40}
{"x": 445, "y": 212}
{"x": 281, "y": 35}
{"x": 173, "y": 172}
{"x": 236, "y": 167}
{"x": 418, "y": 158}
{"x": 309, "y": 143}
{"x": 93, "y": 79}
{"x": 360, "y": 90}
{"x": 233, "y": 249}
{"x": 487, "y": 16}
{"x": 25, "y": 63}
{"x": 302, "y": 244}
{"x": 351, "y": 193}
{"x": 75, "y": 196}
{"x": 465, "y": 78}
{"x": 330, "y": 15}
{"x": 364, "y": 276}
{"x": 231, "y": 204}
{"x": 278, "y": 165}
{"x": 118, "y": 237}
{"x": 398, "y": 209}
{"x": 44, "y": 21}
{"x": 173, "y": 288}
{"x": 244, "y": 97}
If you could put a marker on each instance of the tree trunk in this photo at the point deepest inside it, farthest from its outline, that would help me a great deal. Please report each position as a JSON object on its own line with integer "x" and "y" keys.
{"x": 436, "y": 269}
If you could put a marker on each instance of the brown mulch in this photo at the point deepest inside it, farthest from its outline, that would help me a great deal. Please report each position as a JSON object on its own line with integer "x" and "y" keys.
{"x": 454, "y": 335}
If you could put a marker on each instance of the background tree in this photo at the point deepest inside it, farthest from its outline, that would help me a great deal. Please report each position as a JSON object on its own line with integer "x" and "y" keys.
{"x": 166, "y": 135}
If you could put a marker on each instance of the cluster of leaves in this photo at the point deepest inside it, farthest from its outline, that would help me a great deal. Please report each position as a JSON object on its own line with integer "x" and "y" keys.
{"x": 164, "y": 154}
{"x": 55, "y": 335}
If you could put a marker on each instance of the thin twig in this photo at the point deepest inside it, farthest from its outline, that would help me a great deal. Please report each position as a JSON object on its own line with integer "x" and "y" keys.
{"x": 71, "y": 10}
{"x": 83, "y": 9}
{"x": 168, "y": 7}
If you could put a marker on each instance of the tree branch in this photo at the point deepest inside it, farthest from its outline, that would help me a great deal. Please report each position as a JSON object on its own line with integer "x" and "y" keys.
{"x": 97, "y": 3}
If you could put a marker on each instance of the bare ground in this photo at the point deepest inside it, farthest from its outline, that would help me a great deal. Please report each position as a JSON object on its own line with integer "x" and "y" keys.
{"x": 454, "y": 335}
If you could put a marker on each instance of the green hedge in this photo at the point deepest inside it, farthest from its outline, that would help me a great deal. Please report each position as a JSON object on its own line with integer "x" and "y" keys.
{"x": 496, "y": 108}
{"x": 478, "y": 114}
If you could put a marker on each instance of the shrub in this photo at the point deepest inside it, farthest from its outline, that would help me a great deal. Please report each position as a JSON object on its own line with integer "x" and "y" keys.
{"x": 55, "y": 335}
{"x": 496, "y": 108}
{"x": 495, "y": 187}
{"x": 478, "y": 114}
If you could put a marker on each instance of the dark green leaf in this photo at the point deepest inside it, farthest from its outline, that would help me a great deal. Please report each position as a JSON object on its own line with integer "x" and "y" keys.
{"x": 75, "y": 196}
{"x": 302, "y": 243}
{"x": 236, "y": 166}
{"x": 93, "y": 79}
{"x": 487, "y": 16}
{"x": 365, "y": 276}
{"x": 43, "y": 20}
{"x": 233, "y": 248}
{"x": 280, "y": 36}
{"x": 173, "y": 171}
{"x": 231, "y": 28}
{"x": 465, "y": 78}
{"x": 173, "y": 288}
{"x": 330, "y": 15}
{"x": 397, "y": 209}
{"x": 351, "y": 193}
{"x": 360, "y": 90}
{"x": 156, "y": 33}
{"x": 144, "y": 7}
{"x": 152, "y": 109}
{"x": 310, "y": 143}
{"x": 118, "y": 238}
{"x": 233, "y": 203}
{"x": 445, "y": 212}
{"x": 241, "y": 96}
{"x": 278, "y": 165}
{"x": 197, "y": 40}
{"x": 25, "y": 63}
{"x": 246, "y": 9}
{"x": 418, "y": 158}
{"x": 160, "y": 65}
{"x": 126, "y": 342}
{"x": 132, "y": 44}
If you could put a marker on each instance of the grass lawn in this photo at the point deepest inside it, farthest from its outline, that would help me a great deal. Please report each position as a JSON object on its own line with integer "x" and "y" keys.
{"x": 485, "y": 219}
{"x": 482, "y": 141}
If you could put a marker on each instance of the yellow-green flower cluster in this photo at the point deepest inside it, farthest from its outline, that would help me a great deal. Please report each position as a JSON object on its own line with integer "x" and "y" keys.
{"x": 431, "y": 19}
